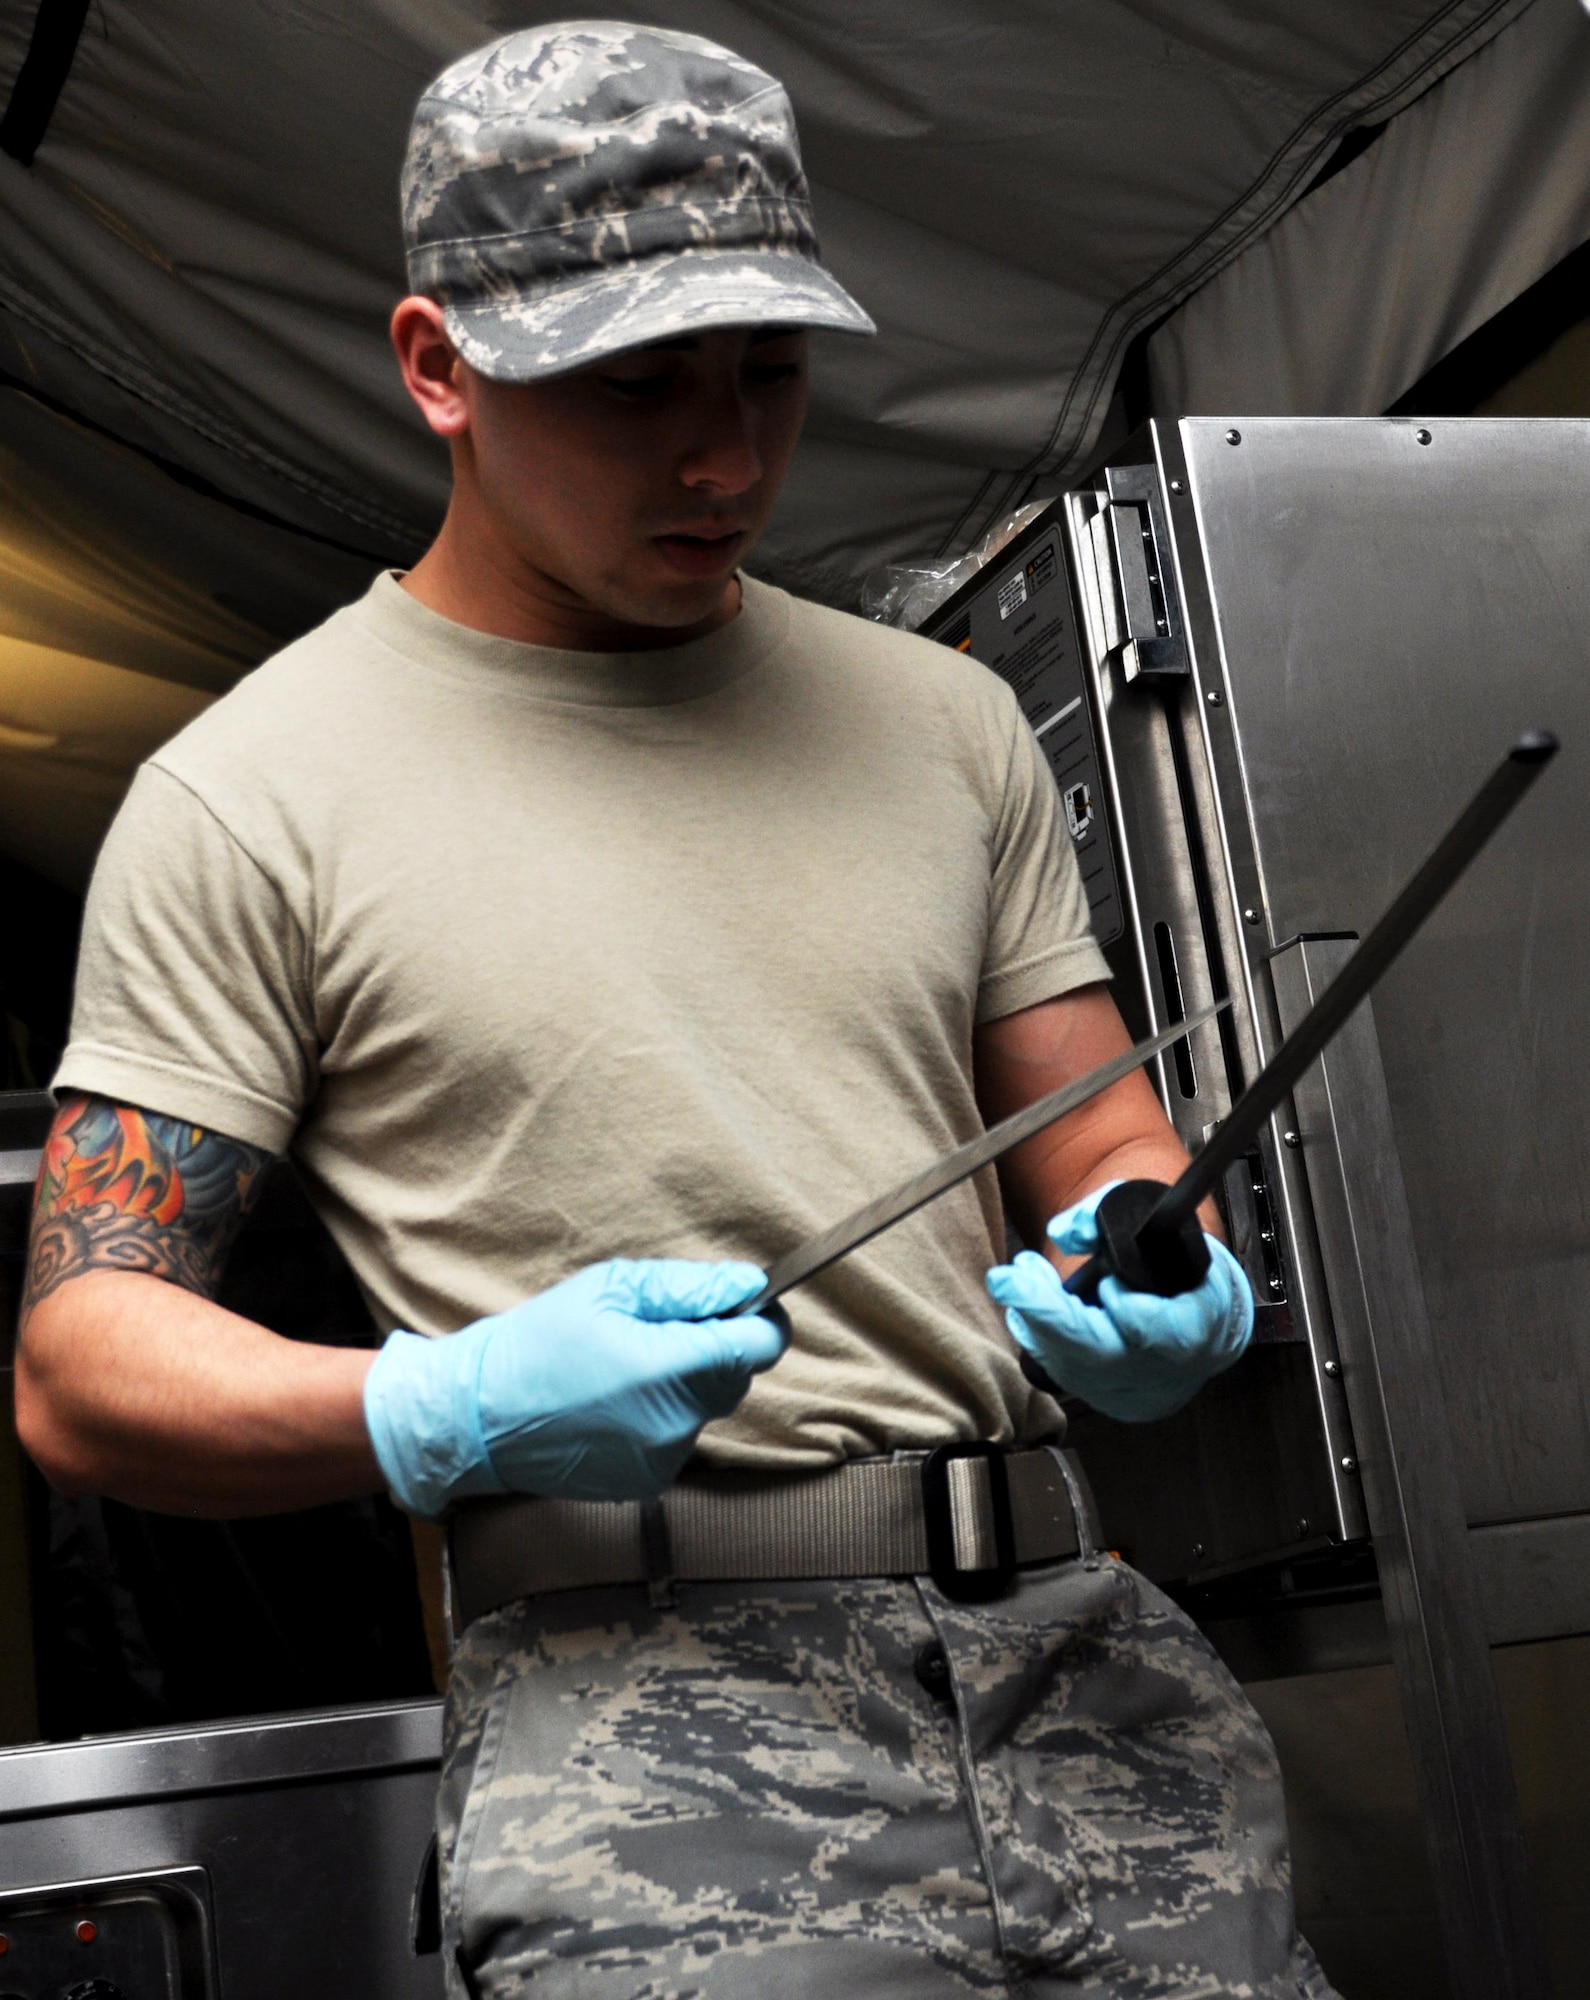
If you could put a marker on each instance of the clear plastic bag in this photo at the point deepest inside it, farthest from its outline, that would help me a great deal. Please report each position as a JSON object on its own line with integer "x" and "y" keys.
{"x": 905, "y": 593}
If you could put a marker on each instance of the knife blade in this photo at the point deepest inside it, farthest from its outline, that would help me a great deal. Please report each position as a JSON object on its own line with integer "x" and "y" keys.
{"x": 807, "y": 1259}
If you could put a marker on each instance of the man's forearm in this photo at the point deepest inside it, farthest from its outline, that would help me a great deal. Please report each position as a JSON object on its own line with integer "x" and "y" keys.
{"x": 130, "y": 1386}
{"x": 1151, "y": 1156}
{"x": 1123, "y": 1134}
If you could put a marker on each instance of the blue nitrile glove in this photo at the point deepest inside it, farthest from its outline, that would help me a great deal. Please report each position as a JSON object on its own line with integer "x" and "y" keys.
{"x": 594, "y": 1390}
{"x": 1134, "y": 1355}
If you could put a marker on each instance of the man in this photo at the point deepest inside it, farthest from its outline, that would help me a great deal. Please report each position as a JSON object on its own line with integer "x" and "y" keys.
{"x": 595, "y": 923}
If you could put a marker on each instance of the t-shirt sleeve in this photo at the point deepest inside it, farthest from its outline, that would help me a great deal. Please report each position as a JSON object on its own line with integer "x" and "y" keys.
{"x": 193, "y": 989}
{"x": 1040, "y": 942}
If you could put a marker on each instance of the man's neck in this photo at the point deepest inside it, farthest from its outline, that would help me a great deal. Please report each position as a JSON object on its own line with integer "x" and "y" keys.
{"x": 474, "y": 581}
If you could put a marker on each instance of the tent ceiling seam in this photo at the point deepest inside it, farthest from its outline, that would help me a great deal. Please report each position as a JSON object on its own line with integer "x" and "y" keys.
{"x": 194, "y": 482}
{"x": 1162, "y": 292}
{"x": 89, "y": 351}
{"x": 1173, "y": 283}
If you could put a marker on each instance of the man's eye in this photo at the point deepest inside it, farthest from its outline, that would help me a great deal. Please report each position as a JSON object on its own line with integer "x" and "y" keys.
{"x": 640, "y": 388}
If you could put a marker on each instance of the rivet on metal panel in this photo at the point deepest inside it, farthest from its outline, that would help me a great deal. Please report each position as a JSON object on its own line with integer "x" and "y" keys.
{"x": 1293, "y": 1139}
{"x": 1333, "y": 1368}
{"x": 1233, "y": 436}
{"x": 1349, "y": 1463}
{"x": 1250, "y": 916}
{"x": 1302, "y": 1526}
{"x": 1176, "y": 486}
{"x": 1198, "y": 1549}
{"x": 1215, "y": 698}
{"x": 1423, "y": 437}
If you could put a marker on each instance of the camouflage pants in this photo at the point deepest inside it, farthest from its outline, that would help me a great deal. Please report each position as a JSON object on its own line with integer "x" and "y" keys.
{"x": 859, "y": 1789}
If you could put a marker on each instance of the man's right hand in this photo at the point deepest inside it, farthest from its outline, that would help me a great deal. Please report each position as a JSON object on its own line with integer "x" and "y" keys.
{"x": 594, "y": 1390}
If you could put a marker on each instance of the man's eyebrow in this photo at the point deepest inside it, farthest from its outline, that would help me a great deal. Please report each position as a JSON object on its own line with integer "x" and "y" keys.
{"x": 687, "y": 343}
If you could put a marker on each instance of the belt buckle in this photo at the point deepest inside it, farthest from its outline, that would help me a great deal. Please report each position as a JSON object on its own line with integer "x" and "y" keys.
{"x": 967, "y": 1586}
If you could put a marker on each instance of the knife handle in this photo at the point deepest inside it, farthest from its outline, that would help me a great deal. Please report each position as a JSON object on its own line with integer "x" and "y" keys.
{"x": 1143, "y": 1255}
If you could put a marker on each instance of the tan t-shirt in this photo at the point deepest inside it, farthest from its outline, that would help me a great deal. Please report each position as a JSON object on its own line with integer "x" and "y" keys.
{"x": 534, "y": 958}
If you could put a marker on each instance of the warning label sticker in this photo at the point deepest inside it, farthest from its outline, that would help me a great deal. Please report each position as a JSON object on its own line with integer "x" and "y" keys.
{"x": 1013, "y": 593}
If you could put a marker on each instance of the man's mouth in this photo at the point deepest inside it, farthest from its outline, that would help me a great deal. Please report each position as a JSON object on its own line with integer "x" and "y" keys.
{"x": 701, "y": 554}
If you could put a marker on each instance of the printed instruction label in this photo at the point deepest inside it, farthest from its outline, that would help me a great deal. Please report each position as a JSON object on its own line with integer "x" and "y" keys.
{"x": 1030, "y": 641}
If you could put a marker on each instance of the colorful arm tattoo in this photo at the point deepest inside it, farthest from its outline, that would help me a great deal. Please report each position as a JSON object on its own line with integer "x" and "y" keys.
{"x": 128, "y": 1190}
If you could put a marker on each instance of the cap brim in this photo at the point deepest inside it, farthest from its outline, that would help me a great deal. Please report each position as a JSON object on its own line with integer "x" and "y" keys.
{"x": 567, "y": 326}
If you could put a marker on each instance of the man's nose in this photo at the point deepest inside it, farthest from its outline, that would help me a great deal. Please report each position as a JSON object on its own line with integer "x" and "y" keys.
{"x": 723, "y": 457}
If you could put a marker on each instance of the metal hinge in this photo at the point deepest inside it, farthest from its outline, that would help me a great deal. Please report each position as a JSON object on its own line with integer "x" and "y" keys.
{"x": 1137, "y": 601}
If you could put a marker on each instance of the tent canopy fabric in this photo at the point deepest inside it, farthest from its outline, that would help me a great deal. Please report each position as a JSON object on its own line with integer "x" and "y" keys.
{"x": 1460, "y": 205}
{"x": 204, "y": 443}
{"x": 209, "y": 227}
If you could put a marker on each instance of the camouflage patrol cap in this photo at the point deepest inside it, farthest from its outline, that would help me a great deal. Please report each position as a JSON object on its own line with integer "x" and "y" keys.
{"x": 577, "y": 189}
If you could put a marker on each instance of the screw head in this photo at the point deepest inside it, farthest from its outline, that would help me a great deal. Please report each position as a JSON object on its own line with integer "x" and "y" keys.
{"x": 1292, "y": 1139}
{"x": 1302, "y": 1526}
{"x": 1215, "y": 698}
{"x": 1423, "y": 437}
{"x": 1349, "y": 1463}
{"x": 1176, "y": 486}
{"x": 1233, "y": 436}
{"x": 1333, "y": 1368}
{"x": 1250, "y": 916}
{"x": 1198, "y": 1548}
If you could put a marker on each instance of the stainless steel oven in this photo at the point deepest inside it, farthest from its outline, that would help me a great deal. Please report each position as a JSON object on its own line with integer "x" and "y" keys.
{"x": 1269, "y": 660}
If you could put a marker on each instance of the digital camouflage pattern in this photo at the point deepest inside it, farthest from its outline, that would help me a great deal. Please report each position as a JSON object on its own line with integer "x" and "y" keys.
{"x": 752, "y": 1793}
{"x": 577, "y": 189}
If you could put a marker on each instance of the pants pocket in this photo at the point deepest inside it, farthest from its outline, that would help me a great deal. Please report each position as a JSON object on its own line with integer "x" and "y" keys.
{"x": 1131, "y": 1793}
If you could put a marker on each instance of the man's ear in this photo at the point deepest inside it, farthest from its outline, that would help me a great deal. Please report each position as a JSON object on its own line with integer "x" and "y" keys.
{"x": 431, "y": 366}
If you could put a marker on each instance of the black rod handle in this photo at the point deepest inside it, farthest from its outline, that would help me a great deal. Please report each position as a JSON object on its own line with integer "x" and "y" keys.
{"x": 1136, "y": 1249}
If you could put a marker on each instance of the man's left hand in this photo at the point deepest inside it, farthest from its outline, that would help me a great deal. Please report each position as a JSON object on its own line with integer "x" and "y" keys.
{"x": 1134, "y": 1356}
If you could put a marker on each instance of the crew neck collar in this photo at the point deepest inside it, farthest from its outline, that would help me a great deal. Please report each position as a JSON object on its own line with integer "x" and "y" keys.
{"x": 655, "y": 679}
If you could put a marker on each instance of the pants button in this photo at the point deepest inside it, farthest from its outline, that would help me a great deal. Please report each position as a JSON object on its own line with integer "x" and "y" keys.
{"x": 933, "y": 1671}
